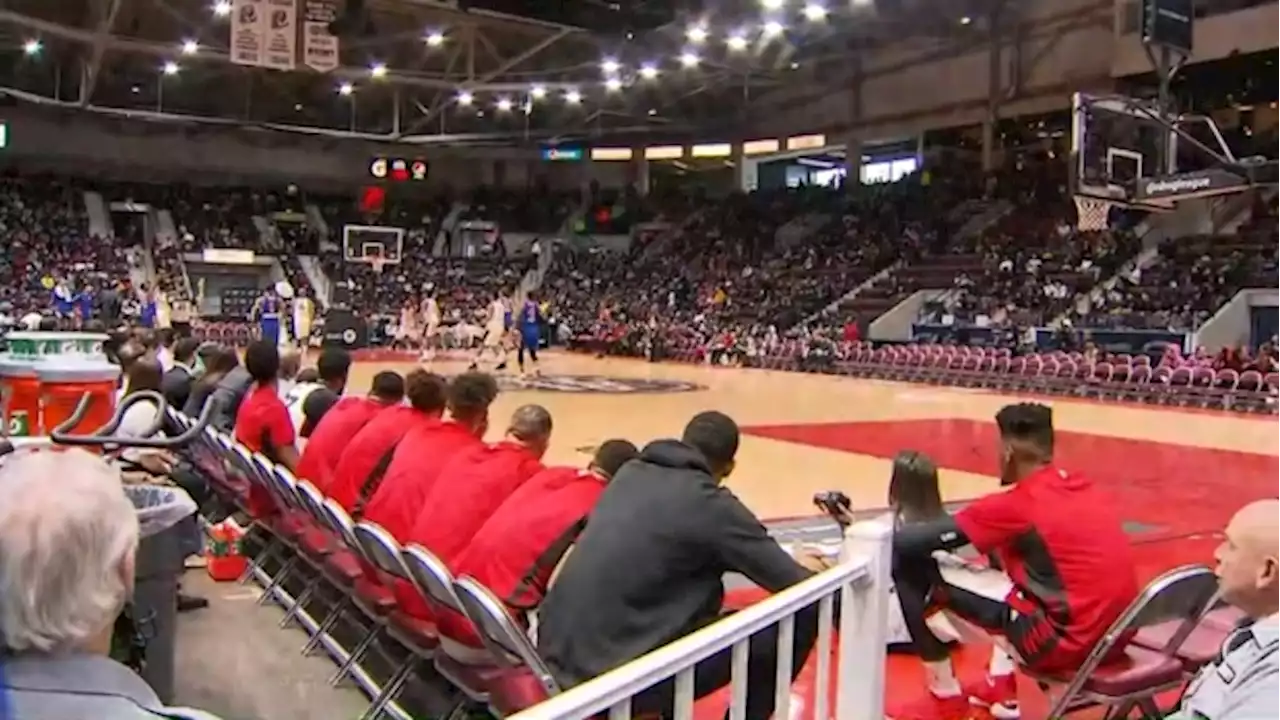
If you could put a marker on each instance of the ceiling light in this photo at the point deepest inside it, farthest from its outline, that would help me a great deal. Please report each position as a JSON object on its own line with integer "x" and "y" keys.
{"x": 573, "y": 97}
{"x": 346, "y": 88}
{"x": 190, "y": 47}
{"x": 772, "y": 4}
{"x": 613, "y": 84}
{"x": 610, "y": 66}
{"x": 170, "y": 68}
{"x": 697, "y": 34}
{"x": 653, "y": 111}
{"x": 222, "y": 8}
{"x": 966, "y": 20}
{"x": 772, "y": 28}
{"x": 378, "y": 70}
{"x": 648, "y": 71}
{"x": 814, "y": 12}
{"x": 737, "y": 41}
{"x": 503, "y": 105}
{"x": 465, "y": 98}
{"x": 31, "y": 47}
{"x": 435, "y": 38}
{"x": 297, "y": 107}
{"x": 537, "y": 92}
{"x": 688, "y": 59}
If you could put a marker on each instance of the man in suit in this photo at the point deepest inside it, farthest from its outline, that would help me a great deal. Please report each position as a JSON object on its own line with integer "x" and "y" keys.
{"x": 177, "y": 381}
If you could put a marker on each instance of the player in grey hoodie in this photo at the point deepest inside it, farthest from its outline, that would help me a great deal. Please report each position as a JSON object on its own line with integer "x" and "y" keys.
{"x": 1244, "y": 682}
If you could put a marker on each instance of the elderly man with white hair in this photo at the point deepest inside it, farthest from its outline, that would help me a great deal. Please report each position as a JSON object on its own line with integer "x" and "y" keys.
{"x": 1244, "y": 682}
{"x": 68, "y": 540}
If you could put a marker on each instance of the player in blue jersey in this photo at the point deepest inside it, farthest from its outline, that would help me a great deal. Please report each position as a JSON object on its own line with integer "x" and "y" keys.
{"x": 530, "y": 327}
{"x": 266, "y": 311}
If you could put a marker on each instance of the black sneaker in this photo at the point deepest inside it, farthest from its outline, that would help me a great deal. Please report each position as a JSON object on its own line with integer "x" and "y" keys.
{"x": 187, "y": 603}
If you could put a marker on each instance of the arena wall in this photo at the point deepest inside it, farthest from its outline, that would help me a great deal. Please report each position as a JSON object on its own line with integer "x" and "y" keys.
{"x": 88, "y": 144}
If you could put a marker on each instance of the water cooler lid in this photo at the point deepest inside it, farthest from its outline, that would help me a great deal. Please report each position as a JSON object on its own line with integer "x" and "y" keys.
{"x": 12, "y": 367}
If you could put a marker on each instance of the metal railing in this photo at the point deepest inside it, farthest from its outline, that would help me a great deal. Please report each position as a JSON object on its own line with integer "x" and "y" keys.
{"x": 861, "y": 581}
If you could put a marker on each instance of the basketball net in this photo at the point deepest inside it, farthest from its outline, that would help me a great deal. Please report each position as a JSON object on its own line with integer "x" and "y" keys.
{"x": 1092, "y": 213}
{"x": 377, "y": 265}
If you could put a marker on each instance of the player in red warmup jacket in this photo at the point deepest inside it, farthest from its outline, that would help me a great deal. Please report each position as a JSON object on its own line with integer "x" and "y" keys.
{"x": 367, "y": 455}
{"x": 341, "y": 423}
{"x": 1059, "y": 538}
{"x": 417, "y": 461}
{"x": 516, "y": 550}
{"x": 470, "y": 489}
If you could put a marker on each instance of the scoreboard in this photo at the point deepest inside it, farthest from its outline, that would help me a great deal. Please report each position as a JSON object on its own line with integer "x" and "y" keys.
{"x": 398, "y": 169}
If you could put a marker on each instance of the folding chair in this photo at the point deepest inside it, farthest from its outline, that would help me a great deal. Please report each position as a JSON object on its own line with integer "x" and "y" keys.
{"x": 1122, "y": 675}
{"x": 367, "y": 595}
{"x": 418, "y": 636}
{"x": 317, "y": 543}
{"x": 1197, "y": 645}
{"x": 527, "y": 680}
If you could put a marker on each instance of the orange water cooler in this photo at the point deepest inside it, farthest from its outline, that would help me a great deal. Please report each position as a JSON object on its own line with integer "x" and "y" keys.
{"x": 63, "y": 383}
{"x": 19, "y": 398}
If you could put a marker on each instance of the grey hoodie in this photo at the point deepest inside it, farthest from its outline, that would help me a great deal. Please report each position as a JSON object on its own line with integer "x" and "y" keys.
{"x": 1244, "y": 683}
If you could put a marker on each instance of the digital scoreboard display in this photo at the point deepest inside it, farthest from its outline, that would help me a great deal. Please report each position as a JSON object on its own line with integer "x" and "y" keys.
{"x": 398, "y": 169}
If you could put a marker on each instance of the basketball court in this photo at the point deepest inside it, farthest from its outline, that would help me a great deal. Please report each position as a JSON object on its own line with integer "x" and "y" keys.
{"x": 1177, "y": 474}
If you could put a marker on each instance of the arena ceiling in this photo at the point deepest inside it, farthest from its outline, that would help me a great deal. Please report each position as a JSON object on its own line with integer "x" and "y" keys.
{"x": 465, "y": 71}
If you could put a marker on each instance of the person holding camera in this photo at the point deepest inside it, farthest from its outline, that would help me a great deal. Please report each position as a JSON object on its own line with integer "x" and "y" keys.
{"x": 654, "y": 551}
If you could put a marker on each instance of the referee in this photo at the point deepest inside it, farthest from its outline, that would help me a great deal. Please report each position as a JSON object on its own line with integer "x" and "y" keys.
{"x": 648, "y": 569}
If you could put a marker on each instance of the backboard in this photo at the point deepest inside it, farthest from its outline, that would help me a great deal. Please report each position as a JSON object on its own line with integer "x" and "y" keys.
{"x": 372, "y": 243}
{"x": 1127, "y": 152}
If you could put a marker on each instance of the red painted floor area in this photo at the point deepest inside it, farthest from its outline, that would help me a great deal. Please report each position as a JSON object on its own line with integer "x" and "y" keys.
{"x": 1176, "y": 498}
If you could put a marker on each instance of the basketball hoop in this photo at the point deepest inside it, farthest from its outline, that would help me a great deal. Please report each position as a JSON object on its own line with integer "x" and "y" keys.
{"x": 377, "y": 264}
{"x": 1092, "y": 213}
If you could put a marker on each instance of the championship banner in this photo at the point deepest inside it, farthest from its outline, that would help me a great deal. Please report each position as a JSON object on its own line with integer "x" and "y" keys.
{"x": 281, "y": 35}
{"x": 319, "y": 46}
{"x": 248, "y": 32}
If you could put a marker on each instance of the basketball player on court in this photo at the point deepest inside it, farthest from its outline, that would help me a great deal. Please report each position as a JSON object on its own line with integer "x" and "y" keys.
{"x": 266, "y": 312}
{"x": 407, "y": 330}
{"x": 430, "y": 312}
{"x": 304, "y": 312}
{"x": 495, "y": 336}
{"x": 529, "y": 325}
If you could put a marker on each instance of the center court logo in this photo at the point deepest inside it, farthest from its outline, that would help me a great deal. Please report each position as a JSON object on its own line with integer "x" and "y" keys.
{"x": 594, "y": 384}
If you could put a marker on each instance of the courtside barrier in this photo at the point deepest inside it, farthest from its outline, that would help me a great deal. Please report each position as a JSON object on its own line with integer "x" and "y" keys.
{"x": 861, "y": 580}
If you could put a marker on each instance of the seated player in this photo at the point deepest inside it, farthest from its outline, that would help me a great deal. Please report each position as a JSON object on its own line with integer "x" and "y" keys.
{"x": 342, "y": 424}
{"x": 417, "y": 461}
{"x": 516, "y": 550}
{"x": 364, "y": 455}
{"x": 307, "y": 382}
{"x": 334, "y": 366}
{"x": 1059, "y": 538}
{"x": 262, "y": 421}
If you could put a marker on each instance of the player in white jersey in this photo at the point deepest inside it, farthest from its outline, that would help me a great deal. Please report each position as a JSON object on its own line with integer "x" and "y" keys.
{"x": 295, "y": 399}
{"x": 495, "y": 333}
{"x": 430, "y": 312}
{"x": 407, "y": 330}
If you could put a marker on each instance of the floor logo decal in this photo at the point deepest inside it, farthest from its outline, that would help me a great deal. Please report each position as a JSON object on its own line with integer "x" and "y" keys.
{"x": 594, "y": 384}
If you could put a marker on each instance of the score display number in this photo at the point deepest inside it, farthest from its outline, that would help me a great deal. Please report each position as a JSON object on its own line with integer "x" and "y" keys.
{"x": 397, "y": 169}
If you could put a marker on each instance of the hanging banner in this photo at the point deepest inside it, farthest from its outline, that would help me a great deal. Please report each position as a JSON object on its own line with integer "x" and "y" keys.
{"x": 319, "y": 46}
{"x": 282, "y": 35}
{"x": 248, "y": 32}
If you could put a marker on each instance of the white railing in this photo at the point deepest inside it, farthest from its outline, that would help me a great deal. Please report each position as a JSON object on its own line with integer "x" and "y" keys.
{"x": 861, "y": 580}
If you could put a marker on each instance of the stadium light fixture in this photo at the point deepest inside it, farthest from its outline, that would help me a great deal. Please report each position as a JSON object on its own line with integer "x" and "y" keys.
{"x": 613, "y": 84}
{"x": 573, "y": 97}
{"x": 503, "y": 105}
{"x": 966, "y": 20}
{"x": 689, "y": 59}
{"x": 345, "y": 89}
{"x": 697, "y": 34}
{"x": 772, "y": 4}
{"x": 32, "y": 47}
{"x": 737, "y": 42}
{"x": 465, "y": 98}
{"x": 648, "y": 71}
{"x": 190, "y": 47}
{"x": 609, "y": 66}
{"x": 814, "y": 12}
{"x": 435, "y": 38}
{"x": 378, "y": 70}
{"x": 222, "y": 8}
{"x": 772, "y": 28}
{"x": 170, "y": 68}
{"x": 537, "y": 92}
